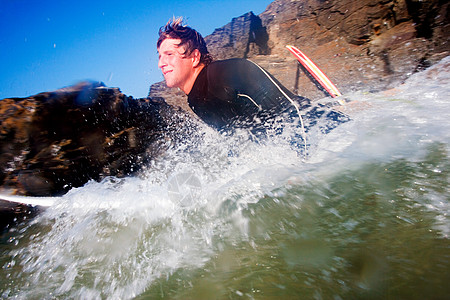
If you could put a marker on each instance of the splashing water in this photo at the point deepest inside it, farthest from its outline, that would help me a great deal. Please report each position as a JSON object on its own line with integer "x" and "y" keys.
{"x": 365, "y": 215}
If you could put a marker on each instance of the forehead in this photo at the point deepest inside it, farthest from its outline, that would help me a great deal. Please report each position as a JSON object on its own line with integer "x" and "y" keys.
{"x": 169, "y": 44}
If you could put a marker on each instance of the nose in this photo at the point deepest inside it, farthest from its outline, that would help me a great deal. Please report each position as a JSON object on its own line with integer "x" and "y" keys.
{"x": 161, "y": 61}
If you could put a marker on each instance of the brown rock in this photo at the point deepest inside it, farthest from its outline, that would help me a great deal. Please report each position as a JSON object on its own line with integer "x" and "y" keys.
{"x": 243, "y": 37}
{"x": 54, "y": 141}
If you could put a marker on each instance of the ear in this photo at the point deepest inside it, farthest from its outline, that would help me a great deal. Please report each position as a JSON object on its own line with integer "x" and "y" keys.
{"x": 196, "y": 55}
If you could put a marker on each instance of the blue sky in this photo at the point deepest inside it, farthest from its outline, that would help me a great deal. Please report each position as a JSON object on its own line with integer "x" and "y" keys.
{"x": 46, "y": 45}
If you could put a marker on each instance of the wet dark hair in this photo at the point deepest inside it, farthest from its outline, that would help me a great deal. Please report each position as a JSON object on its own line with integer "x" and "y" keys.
{"x": 190, "y": 39}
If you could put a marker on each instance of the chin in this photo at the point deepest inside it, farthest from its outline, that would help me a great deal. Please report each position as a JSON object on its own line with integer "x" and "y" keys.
{"x": 169, "y": 83}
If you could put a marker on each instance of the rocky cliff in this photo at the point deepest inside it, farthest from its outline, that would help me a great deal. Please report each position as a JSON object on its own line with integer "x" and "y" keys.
{"x": 360, "y": 45}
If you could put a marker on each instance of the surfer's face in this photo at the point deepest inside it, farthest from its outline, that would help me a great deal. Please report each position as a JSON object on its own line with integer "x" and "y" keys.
{"x": 177, "y": 68}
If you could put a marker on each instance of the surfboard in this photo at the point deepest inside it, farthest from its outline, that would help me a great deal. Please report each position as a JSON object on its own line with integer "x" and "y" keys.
{"x": 28, "y": 200}
{"x": 16, "y": 209}
{"x": 317, "y": 73}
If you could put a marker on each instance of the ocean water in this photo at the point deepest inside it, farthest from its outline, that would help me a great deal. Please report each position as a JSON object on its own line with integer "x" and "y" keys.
{"x": 362, "y": 214}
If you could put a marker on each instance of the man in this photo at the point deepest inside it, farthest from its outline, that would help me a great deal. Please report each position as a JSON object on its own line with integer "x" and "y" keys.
{"x": 224, "y": 94}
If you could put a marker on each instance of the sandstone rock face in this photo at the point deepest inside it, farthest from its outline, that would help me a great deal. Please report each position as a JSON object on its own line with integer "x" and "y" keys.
{"x": 54, "y": 141}
{"x": 360, "y": 45}
{"x": 243, "y": 37}
{"x": 366, "y": 44}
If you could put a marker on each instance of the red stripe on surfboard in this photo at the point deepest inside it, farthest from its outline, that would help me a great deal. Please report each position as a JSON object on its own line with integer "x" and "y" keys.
{"x": 315, "y": 71}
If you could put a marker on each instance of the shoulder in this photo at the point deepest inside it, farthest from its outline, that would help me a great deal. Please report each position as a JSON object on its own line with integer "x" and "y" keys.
{"x": 235, "y": 67}
{"x": 232, "y": 62}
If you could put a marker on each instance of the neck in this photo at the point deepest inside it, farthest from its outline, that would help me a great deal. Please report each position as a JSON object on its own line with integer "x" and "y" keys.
{"x": 187, "y": 87}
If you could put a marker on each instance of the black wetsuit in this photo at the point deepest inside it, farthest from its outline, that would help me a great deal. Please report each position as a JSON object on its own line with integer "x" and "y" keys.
{"x": 236, "y": 92}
